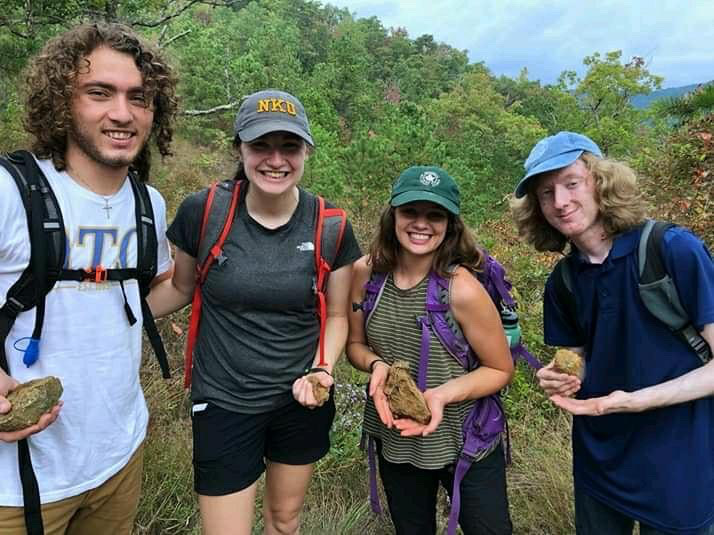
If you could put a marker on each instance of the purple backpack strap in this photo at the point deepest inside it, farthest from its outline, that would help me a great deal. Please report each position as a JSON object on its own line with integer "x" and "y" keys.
{"x": 372, "y": 460}
{"x": 519, "y": 351}
{"x": 372, "y": 292}
{"x": 437, "y": 308}
{"x": 484, "y": 425}
{"x": 493, "y": 278}
{"x": 367, "y": 442}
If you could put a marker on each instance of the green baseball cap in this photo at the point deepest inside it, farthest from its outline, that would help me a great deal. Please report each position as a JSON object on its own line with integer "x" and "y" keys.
{"x": 426, "y": 183}
{"x": 271, "y": 111}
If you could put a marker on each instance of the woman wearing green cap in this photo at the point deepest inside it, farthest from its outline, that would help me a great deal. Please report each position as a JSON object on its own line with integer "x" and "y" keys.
{"x": 421, "y": 236}
{"x": 254, "y": 409}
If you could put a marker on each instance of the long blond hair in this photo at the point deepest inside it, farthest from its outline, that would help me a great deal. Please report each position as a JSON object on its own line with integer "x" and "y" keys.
{"x": 622, "y": 205}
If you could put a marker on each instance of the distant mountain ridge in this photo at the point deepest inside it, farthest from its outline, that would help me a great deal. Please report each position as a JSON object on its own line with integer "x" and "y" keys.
{"x": 643, "y": 101}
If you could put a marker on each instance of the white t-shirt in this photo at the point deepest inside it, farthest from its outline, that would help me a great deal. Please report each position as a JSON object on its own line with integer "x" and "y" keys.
{"x": 86, "y": 339}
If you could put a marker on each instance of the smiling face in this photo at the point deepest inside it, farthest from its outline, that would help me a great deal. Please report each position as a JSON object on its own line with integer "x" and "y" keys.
{"x": 568, "y": 200}
{"x": 274, "y": 163}
{"x": 420, "y": 227}
{"x": 111, "y": 119}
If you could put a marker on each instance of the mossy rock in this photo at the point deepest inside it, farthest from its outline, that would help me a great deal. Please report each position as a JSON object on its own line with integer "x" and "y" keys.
{"x": 567, "y": 361}
{"x": 405, "y": 399}
{"x": 29, "y": 401}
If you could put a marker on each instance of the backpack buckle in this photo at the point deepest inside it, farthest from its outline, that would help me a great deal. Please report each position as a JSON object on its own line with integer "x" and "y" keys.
{"x": 98, "y": 274}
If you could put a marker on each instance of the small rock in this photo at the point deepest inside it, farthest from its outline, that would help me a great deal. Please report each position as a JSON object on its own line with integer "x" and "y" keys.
{"x": 569, "y": 362}
{"x": 405, "y": 399}
{"x": 321, "y": 392}
{"x": 29, "y": 401}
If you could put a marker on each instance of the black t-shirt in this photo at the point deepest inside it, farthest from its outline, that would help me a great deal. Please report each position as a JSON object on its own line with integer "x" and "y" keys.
{"x": 259, "y": 330}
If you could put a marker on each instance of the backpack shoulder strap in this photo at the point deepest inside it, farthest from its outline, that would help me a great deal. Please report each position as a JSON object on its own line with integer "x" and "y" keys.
{"x": 373, "y": 289}
{"x": 658, "y": 292}
{"x": 146, "y": 267}
{"x": 216, "y": 222}
{"x": 650, "y": 258}
{"x": 47, "y": 247}
{"x": 329, "y": 230}
{"x": 146, "y": 241}
{"x": 442, "y": 322}
{"x": 564, "y": 293}
{"x": 493, "y": 278}
{"x": 47, "y": 254}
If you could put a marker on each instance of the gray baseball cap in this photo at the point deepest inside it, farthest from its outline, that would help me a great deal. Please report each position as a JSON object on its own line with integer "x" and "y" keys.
{"x": 271, "y": 111}
{"x": 555, "y": 152}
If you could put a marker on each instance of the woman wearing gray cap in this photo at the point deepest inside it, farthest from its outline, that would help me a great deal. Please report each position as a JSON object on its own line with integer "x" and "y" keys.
{"x": 422, "y": 239}
{"x": 256, "y": 352}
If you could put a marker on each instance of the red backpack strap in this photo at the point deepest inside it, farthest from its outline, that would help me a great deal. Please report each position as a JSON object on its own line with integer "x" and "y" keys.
{"x": 329, "y": 231}
{"x": 202, "y": 269}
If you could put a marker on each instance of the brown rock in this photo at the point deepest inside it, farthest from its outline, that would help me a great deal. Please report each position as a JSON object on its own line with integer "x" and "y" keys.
{"x": 405, "y": 399}
{"x": 321, "y": 392}
{"x": 569, "y": 362}
{"x": 29, "y": 401}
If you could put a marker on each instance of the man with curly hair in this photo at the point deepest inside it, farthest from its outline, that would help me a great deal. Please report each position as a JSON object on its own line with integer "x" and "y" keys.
{"x": 652, "y": 462}
{"x": 96, "y": 95}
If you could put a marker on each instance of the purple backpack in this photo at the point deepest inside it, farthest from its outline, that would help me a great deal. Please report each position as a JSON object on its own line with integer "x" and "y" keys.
{"x": 486, "y": 421}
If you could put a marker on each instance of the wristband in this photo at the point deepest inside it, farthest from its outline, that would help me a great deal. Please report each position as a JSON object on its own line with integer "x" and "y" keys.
{"x": 375, "y": 361}
{"x": 316, "y": 370}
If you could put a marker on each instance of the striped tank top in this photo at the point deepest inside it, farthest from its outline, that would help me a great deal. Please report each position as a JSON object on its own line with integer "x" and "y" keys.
{"x": 394, "y": 334}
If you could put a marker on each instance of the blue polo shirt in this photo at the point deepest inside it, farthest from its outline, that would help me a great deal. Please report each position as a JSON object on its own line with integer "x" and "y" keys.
{"x": 656, "y": 466}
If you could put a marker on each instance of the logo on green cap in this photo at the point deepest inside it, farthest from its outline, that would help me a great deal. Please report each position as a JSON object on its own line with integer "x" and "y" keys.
{"x": 429, "y": 178}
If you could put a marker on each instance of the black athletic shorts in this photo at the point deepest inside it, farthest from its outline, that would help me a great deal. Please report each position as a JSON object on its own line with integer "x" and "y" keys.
{"x": 230, "y": 448}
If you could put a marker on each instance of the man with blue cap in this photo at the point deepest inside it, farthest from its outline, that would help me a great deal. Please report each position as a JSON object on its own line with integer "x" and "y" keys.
{"x": 653, "y": 461}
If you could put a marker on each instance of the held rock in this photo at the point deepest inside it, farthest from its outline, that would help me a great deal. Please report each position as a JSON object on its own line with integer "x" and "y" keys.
{"x": 29, "y": 401}
{"x": 569, "y": 362}
{"x": 405, "y": 399}
{"x": 319, "y": 391}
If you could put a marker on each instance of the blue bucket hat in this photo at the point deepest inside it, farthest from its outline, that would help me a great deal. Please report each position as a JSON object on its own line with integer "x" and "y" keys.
{"x": 555, "y": 152}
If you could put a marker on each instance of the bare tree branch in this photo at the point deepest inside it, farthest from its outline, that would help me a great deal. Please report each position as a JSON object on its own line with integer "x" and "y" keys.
{"x": 26, "y": 21}
{"x": 165, "y": 18}
{"x": 174, "y": 38}
{"x": 222, "y": 107}
{"x": 179, "y": 10}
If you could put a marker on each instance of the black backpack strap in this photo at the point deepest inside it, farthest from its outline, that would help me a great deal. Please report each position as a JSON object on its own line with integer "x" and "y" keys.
{"x": 147, "y": 266}
{"x": 28, "y": 291}
{"x": 565, "y": 295}
{"x": 30, "y": 491}
{"x": 47, "y": 245}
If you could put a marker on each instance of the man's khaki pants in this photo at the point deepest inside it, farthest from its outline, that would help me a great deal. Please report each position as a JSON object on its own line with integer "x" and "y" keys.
{"x": 107, "y": 510}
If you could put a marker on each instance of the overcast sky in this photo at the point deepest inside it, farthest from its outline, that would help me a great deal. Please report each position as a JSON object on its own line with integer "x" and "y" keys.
{"x": 675, "y": 37}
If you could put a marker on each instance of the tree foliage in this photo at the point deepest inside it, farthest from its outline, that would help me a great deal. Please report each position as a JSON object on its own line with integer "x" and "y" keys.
{"x": 604, "y": 95}
{"x": 379, "y": 100}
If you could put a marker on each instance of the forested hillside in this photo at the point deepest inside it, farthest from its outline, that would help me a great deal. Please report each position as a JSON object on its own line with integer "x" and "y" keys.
{"x": 379, "y": 100}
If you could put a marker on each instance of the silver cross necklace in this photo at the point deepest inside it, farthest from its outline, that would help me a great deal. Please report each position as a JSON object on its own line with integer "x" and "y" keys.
{"x": 107, "y": 198}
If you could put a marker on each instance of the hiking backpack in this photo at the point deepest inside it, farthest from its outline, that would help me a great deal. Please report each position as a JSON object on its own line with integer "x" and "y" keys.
{"x": 655, "y": 286}
{"x": 48, "y": 246}
{"x": 219, "y": 213}
{"x": 486, "y": 421}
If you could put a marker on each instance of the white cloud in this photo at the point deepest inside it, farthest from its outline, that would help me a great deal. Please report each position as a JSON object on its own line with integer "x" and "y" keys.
{"x": 674, "y": 36}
